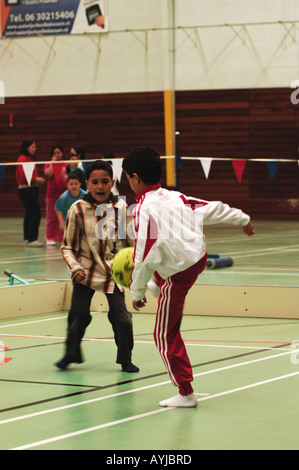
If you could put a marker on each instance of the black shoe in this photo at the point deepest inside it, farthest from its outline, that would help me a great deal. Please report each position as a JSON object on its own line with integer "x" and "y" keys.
{"x": 129, "y": 368}
{"x": 62, "y": 364}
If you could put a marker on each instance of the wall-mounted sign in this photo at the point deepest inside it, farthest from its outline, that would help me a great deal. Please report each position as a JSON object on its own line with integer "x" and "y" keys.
{"x": 23, "y": 18}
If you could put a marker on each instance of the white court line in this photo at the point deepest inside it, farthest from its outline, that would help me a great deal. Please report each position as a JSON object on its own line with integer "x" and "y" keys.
{"x": 246, "y": 387}
{"x": 273, "y": 248}
{"x": 231, "y": 346}
{"x": 150, "y": 413}
{"x": 266, "y": 251}
{"x": 252, "y": 255}
{"x": 209, "y": 345}
{"x": 260, "y": 273}
{"x": 8, "y": 335}
{"x": 94, "y": 428}
{"x": 31, "y": 259}
{"x": 237, "y": 238}
{"x": 7, "y": 244}
{"x": 33, "y": 321}
{"x": 86, "y": 402}
{"x": 140, "y": 389}
{"x": 277, "y": 267}
{"x": 149, "y": 341}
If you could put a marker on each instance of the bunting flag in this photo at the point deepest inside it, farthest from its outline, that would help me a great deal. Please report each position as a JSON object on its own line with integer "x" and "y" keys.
{"x": 206, "y": 165}
{"x": 28, "y": 168}
{"x": 85, "y": 164}
{"x": 3, "y": 359}
{"x": 178, "y": 162}
{"x": 272, "y": 169}
{"x": 117, "y": 168}
{"x": 116, "y": 165}
{"x": 2, "y": 170}
{"x": 239, "y": 167}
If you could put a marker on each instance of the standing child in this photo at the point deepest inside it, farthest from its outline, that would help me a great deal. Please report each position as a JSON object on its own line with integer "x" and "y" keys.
{"x": 29, "y": 194}
{"x": 55, "y": 174}
{"x": 77, "y": 153}
{"x": 91, "y": 241}
{"x": 170, "y": 247}
{"x": 71, "y": 195}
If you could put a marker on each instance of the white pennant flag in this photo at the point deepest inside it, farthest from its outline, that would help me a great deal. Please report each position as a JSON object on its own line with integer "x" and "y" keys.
{"x": 117, "y": 168}
{"x": 28, "y": 170}
{"x": 206, "y": 165}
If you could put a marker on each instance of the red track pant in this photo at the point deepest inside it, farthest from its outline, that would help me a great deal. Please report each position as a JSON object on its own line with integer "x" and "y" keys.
{"x": 169, "y": 342}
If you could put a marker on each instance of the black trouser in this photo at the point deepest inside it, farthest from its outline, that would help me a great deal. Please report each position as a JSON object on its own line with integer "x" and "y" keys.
{"x": 79, "y": 318}
{"x": 29, "y": 198}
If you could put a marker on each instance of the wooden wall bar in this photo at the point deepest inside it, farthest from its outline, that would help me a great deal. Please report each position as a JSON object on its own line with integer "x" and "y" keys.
{"x": 258, "y": 123}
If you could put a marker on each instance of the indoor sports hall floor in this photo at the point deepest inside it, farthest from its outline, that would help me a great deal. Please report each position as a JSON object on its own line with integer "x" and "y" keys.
{"x": 246, "y": 370}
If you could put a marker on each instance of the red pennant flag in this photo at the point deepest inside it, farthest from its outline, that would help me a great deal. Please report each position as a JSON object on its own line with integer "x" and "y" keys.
{"x": 239, "y": 167}
{"x": 3, "y": 359}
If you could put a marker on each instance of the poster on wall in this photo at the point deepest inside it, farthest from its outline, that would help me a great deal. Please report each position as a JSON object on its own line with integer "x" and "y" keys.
{"x": 24, "y": 18}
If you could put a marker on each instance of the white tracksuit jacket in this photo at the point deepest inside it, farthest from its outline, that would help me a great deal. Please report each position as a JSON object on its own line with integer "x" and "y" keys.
{"x": 168, "y": 232}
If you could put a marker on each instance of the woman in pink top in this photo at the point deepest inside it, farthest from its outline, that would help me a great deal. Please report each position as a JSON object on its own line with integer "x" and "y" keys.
{"x": 28, "y": 193}
{"x": 56, "y": 175}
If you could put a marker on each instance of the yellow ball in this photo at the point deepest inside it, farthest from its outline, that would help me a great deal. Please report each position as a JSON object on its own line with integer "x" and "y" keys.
{"x": 122, "y": 266}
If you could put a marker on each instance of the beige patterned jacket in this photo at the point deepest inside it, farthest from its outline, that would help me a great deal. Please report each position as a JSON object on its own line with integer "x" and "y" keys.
{"x": 93, "y": 235}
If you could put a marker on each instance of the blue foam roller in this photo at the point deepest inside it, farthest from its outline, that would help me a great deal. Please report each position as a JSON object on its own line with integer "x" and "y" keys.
{"x": 219, "y": 262}
{"x": 213, "y": 256}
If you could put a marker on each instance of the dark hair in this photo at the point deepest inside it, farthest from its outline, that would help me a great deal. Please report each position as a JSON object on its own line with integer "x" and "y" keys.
{"x": 24, "y": 147}
{"x": 145, "y": 162}
{"x": 57, "y": 147}
{"x": 99, "y": 165}
{"x": 108, "y": 155}
{"x": 73, "y": 176}
{"x": 80, "y": 151}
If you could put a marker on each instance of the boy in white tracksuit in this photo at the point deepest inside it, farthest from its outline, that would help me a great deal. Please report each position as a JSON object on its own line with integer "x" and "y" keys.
{"x": 170, "y": 248}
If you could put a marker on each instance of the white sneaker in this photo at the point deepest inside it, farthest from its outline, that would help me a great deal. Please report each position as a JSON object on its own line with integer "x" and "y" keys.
{"x": 51, "y": 242}
{"x": 153, "y": 288}
{"x": 180, "y": 401}
{"x": 35, "y": 244}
